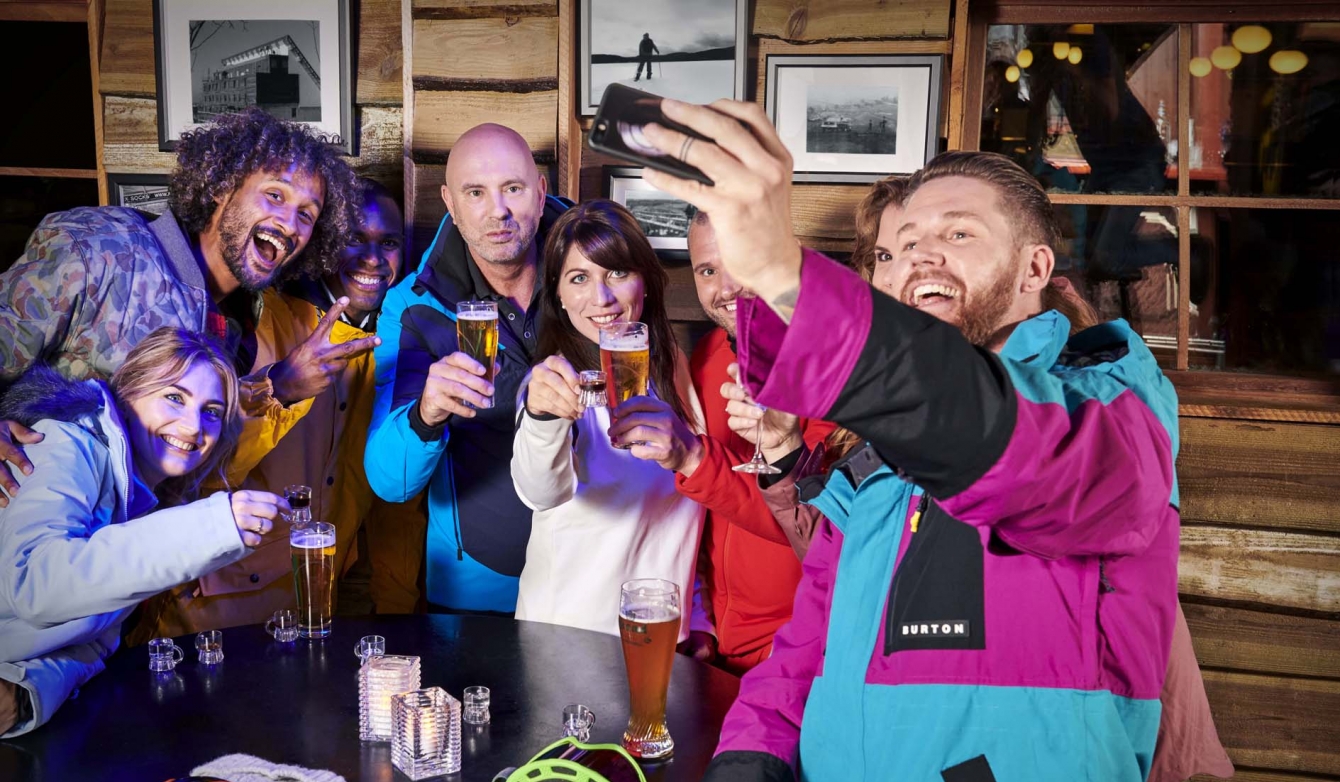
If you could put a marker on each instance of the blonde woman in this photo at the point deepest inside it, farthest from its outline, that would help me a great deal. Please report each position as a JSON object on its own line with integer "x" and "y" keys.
{"x": 82, "y": 543}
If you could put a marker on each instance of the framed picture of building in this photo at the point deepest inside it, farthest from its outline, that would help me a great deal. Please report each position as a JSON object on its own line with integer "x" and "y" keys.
{"x": 291, "y": 59}
{"x": 855, "y": 118}
{"x": 690, "y": 50}
{"x": 663, "y": 218}
{"x": 145, "y": 192}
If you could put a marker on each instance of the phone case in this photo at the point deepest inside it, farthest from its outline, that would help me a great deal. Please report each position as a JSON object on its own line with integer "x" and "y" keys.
{"x": 622, "y": 113}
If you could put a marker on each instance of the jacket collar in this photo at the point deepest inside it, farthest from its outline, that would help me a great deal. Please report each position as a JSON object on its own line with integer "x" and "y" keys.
{"x": 178, "y": 250}
{"x": 450, "y": 274}
{"x": 1038, "y": 340}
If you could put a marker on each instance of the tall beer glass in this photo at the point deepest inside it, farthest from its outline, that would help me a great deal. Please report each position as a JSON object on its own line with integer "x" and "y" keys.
{"x": 477, "y": 334}
{"x": 625, "y": 355}
{"x": 649, "y": 627}
{"x": 312, "y": 548}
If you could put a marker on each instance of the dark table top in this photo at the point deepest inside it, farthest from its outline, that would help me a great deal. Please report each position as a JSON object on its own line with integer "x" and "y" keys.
{"x": 298, "y": 703}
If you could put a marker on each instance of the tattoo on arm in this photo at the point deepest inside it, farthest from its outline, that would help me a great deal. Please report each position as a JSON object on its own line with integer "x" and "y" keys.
{"x": 785, "y": 304}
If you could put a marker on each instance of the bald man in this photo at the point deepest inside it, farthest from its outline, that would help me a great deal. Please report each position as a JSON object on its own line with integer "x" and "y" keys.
{"x": 436, "y": 421}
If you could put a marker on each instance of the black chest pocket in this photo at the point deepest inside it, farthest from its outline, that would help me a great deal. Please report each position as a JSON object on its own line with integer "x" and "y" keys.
{"x": 936, "y": 599}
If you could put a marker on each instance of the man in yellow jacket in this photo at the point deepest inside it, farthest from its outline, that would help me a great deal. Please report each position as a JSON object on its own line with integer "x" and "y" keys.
{"x": 308, "y": 404}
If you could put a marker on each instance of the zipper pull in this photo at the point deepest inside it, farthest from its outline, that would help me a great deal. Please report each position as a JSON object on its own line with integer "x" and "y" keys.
{"x": 921, "y": 508}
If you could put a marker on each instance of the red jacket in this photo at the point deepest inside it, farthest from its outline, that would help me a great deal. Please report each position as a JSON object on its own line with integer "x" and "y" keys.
{"x": 747, "y": 565}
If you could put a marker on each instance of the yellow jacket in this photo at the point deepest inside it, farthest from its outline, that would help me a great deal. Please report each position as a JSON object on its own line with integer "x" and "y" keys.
{"x": 317, "y": 442}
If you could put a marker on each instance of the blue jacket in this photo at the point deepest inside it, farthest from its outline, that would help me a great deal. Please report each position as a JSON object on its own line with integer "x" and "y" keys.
{"x": 477, "y": 526}
{"x": 79, "y": 547}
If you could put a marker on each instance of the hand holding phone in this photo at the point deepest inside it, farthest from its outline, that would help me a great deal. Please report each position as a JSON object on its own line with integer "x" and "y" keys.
{"x": 617, "y": 130}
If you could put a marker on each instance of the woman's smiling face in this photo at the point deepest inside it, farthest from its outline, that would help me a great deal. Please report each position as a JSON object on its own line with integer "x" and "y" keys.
{"x": 595, "y": 297}
{"x": 173, "y": 428}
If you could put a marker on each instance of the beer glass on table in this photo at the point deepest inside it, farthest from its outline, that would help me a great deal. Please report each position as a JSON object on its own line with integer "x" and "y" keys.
{"x": 625, "y": 356}
{"x": 312, "y": 548}
{"x": 649, "y": 614}
{"x": 477, "y": 335}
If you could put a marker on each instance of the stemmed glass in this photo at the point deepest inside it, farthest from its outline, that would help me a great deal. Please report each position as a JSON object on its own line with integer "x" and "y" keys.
{"x": 757, "y": 465}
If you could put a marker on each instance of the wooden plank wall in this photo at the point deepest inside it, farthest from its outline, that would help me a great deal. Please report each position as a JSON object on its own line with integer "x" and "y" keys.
{"x": 1260, "y": 584}
{"x": 473, "y": 61}
{"x": 130, "y": 119}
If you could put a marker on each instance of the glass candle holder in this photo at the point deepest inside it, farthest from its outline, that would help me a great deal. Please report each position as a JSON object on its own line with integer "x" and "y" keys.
{"x": 379, "y": 680}
{"x": 426, "y": 739}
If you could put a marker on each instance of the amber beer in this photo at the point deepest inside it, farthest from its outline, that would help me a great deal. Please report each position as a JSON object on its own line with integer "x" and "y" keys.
{"x": 625, "y": 355}
{"x": 649, "y": 619}
{"x": 477, "y": 334}
{"x": 312, "y": 549}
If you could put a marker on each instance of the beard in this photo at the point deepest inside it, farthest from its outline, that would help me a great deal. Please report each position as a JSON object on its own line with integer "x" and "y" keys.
{"x": 523, "y": 236}
{"x": 722, "y": 319}
{"x": 235, "y": 235}
{"x": 980, "y": 315}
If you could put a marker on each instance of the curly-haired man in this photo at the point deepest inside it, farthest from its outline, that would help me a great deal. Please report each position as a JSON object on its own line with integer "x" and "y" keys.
{"x": 252, "y": 198}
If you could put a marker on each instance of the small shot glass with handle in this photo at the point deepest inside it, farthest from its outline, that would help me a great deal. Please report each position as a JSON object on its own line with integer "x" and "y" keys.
{"x": 164, "y": 654}
{"x": 283, "y": 626}
{"x": 370, "y": 646}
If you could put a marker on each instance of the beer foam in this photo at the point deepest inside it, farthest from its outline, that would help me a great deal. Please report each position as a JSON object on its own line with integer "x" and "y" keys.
{"x": 626, "y": 344}
{"x": 649, "y": 614}
{"x": 476, "y": 315}
{"x": 313, "y": 540}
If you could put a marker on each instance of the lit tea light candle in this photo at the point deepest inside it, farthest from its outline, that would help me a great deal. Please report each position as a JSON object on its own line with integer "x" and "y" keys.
{"x": 426, "y": 740}
{"x": 379, "y": 681}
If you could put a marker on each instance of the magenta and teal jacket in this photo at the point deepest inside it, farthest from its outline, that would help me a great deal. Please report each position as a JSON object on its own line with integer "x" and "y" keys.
{"x": 993, "y": 593}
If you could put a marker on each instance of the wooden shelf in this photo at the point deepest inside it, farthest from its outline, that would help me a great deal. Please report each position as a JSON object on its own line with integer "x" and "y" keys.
{"x": 51, "y": 173}
{"x": 1196, "y": 201}
{"x": 59, "y": 11}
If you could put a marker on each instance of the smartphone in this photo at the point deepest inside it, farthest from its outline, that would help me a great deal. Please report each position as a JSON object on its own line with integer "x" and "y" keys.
{"x": 617, "y": 131}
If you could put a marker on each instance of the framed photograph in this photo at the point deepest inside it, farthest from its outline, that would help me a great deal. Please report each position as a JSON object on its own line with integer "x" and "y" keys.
{"x": 855, "y": 118}
{"x": 664, "y": 218}
{"x": 291, "y": 59}
{"x": 690, "y": 50}
{"x": 145, "y": 192}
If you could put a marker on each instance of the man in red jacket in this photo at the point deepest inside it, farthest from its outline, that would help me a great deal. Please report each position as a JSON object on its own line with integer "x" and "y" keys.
{"x": 748, "y": 566}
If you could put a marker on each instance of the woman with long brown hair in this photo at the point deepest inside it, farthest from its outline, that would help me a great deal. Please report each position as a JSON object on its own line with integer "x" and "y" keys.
{"x": 603, "y": 514}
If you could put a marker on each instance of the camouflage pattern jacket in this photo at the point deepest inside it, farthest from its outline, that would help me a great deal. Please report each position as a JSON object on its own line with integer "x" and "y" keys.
{"x": 93, "y": 282}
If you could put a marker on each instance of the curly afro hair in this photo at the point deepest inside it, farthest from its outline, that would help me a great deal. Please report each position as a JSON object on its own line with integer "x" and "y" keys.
{"x": 213, "y": 161}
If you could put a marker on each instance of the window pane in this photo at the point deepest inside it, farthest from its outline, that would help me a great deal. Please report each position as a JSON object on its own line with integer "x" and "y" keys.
{"x": 1123, "y": 259}
{"x": 1088, "y": 108}
{"x": 1265, "y": 109}
{"x": 1265, "y": 290}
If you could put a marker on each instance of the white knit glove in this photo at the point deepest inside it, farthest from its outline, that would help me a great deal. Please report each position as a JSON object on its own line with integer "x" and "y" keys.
{"x": 249, "y": 768}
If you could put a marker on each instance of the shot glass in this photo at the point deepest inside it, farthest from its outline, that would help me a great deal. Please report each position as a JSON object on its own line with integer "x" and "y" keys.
{"x": 283, "y": 626}
{"x": 592, "y": 383}
{"x": 370, "y": 646}
{"x": 164, "y": 654}
{"x": 475, "y": 705}
{"x": 578, "y": 722}
{"x": 209, "y": 647}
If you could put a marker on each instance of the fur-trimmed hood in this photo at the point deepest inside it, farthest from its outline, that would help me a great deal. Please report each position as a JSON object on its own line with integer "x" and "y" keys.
{"x": 42, "y": 393}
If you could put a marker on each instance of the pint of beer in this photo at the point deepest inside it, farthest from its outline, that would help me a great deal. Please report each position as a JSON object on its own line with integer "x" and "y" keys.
{"x": 649, "y": 627}
{"x": 477, "y": 334}
{"x": 312, "y": 548}
{"x": 625, "y": 356}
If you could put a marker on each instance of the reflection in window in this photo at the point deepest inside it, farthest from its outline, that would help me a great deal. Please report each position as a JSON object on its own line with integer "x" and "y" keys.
{"x": 1123, "y": 259}
{"x": 1086, "y": 108}
{"x": 1265, "y": 109}
{"x": 1265, "y": 290}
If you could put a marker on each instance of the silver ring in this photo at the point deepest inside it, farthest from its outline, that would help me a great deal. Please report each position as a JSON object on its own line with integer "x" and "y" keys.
{"x": 684, "y": 149}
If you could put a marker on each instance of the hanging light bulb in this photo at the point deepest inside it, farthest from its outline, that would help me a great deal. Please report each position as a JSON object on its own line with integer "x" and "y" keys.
{"x": 1012, "y": 74}
{"x": 1080, "y": 29}
{"x": 1075, "y": 55}
{"x": 1225, "y": 58}
{"x": 1251, "y": 38}
{"x": 1201, "y": 67}
{"x": 1024, "y": 58}
{"x": 1287, "y": 61}
{"x": 1060, "y": 50}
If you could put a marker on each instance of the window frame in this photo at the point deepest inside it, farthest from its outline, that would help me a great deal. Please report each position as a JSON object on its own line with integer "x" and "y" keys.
{"x": 1205, "y": 392}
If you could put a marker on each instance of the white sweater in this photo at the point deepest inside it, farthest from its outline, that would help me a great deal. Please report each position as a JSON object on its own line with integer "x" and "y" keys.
{"x": 602, "y": 517}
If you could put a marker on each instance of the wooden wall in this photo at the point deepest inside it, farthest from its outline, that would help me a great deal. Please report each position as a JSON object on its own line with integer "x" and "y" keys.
{"x": 127, "y": 89}
{"x": 467, "y": 62}
{"x": 1260, "y": 583}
